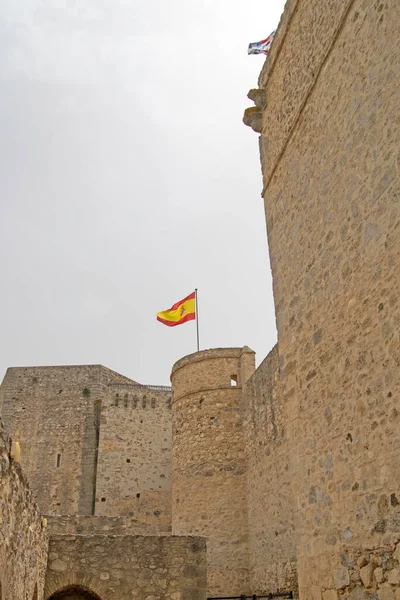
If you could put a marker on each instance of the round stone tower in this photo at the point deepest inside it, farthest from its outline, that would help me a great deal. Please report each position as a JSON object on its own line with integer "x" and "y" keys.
{"x": 209, "y": 467}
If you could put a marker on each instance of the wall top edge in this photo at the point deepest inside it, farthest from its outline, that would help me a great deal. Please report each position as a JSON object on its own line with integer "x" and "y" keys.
{"x": 87, "y": 536}
{"x": 210, "y": 354}
{"x": 280, "y": 35}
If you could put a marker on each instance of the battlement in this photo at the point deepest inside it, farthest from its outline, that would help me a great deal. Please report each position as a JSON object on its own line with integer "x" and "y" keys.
{"x": 153, "y": 388}
{"x": 210, "y": 354}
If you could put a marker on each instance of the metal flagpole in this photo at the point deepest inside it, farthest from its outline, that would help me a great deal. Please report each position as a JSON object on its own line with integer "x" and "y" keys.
{"x": 197, "y": 321}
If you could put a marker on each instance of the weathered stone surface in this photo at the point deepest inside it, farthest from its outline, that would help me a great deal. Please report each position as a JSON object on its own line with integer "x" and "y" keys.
{"x": 117, "y": 567}
{"x": 209, "y": 461}
{"x": 341, "y": 578}
{"x": 366, "y": 575}
{"x": 385, "y": 592}
{"x": 253, "y": 118}
{"x": 394, "y": 576}
{"x": 296, "y": 467}
{"x": 272, "y": 547}
{"x": 332, "y": 214}
{"x": 330, "y": 595}
{"x": 58, "y": 566}
{"x": 99, "y": 428}
{"x": 378, "y": 575}
{"x": 23, "y": 541}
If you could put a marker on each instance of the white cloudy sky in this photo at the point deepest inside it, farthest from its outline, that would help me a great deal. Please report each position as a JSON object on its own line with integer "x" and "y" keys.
{"x": 127, "y": 179}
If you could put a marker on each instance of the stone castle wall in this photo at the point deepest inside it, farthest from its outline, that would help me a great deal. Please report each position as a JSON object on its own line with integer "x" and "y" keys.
{"x": 272, "y": 544}
{"x": 23, "y": 540}
{"x": 127, "y": 567}
{"x": 80, "y": 450}
{"x": 330, "y": 158}
{"x": 209, "y": 462}
{"x": 134, "y": 463}
{"x": 52, "y": 412}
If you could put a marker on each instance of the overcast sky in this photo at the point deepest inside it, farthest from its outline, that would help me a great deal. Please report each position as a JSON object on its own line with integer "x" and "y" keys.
{"x": 127, "y": 179}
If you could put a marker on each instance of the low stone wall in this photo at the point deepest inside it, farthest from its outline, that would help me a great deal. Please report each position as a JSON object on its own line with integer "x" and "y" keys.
{"x": 72, "y": 524}
{"x": 23, "y": 540}
{"x": 127, "y": 567}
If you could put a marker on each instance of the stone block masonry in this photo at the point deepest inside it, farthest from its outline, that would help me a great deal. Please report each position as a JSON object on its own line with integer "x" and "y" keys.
{"x": 23, "y": 540}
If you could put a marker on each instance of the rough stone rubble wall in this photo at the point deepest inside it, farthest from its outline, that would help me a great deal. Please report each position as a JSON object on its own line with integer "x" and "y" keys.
{"x": 272, "y": 548}
{"x": 330, "y": 159}
{"x": 23, "y": 541}
{"x": 128, "y": 567}
{"x": 134, "y": 462}
{"x": 209, "y": 463}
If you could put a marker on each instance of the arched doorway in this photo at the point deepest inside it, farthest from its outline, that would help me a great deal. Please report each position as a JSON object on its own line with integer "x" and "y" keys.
{"x": 74, "y": 592}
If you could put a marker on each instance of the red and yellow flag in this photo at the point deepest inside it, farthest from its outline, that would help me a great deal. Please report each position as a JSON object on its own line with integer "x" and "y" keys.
{"x": 180, "y": 312}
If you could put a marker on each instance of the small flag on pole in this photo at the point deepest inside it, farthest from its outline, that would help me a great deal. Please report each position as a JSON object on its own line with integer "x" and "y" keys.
{"x": 262, "y": 47}
{"x": 180, "y": 312}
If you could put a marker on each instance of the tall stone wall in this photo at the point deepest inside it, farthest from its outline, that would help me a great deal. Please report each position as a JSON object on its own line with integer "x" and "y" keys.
{"x": 209, "y": 462}
{"x": 52, "y": 411}
{"x": 330, "y": 157}
{"x": 272, "y": 547}
{"x": 134, "y": 462}
{"x": 127, "y": 567}
{"x": 23, "y": 540}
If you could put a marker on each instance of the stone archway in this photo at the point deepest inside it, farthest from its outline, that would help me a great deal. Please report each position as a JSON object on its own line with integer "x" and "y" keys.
{"x": 74, "y": 592}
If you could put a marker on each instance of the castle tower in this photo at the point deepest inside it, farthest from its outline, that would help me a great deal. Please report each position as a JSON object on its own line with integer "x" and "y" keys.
{"x": 208, "y": 465}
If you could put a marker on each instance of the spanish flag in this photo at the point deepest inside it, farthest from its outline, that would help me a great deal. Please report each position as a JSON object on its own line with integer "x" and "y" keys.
{"x": 180, "y": 312}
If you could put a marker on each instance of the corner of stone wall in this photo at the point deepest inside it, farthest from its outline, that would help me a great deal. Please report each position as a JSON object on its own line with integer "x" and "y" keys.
{"x": 271, "y": 528}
